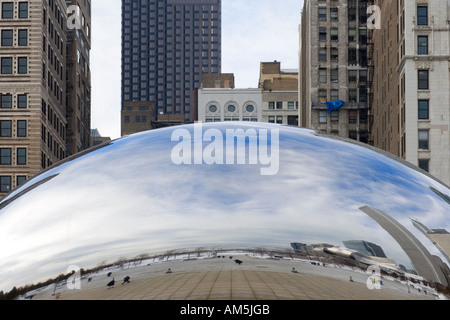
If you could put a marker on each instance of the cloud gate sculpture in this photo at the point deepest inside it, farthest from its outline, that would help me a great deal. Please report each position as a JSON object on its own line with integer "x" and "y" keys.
{"x": 251, "y": 196}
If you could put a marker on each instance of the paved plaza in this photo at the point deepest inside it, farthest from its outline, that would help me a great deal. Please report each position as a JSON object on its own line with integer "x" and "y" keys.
{"x": 223, "y": 279}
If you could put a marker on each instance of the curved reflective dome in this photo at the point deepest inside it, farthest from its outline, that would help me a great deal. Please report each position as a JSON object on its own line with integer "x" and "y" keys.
{"x": 239, "y": 199}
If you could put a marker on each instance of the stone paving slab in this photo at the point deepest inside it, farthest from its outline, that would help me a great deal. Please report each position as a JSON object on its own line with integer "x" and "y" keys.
{"x": 236, "y": 285}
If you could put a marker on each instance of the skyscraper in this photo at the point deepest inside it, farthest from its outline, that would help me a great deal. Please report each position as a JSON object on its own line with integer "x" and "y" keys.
{"x": 411, "y": 87}
{"x": 38, "y": 56}
{"x": 166, "y": 46}
{"x": 79, "y": 79}
{"x": 334, "y": 68}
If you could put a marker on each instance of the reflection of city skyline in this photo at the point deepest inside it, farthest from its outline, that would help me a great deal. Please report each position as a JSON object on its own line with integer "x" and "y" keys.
{"x": 128, "y": 198}
{"x": 439, "y": 237}
{"x": 424, "y": 263}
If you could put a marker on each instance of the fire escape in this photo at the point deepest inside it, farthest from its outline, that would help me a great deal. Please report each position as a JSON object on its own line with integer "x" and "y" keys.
{"x": 370, "y": 76}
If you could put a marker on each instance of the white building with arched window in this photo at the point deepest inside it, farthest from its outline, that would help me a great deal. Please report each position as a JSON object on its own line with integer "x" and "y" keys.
{"x": 219, "y": 104}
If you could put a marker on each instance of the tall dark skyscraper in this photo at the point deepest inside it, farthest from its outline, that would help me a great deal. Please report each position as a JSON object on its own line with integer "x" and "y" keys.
{"x": 166, "y": 46}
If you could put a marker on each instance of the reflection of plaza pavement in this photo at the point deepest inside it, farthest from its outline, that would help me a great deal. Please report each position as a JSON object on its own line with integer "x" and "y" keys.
{"x": 223, "y": 279}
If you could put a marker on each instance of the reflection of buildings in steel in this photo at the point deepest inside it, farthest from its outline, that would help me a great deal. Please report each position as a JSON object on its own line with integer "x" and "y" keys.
{"x": 365, "y": 248}
{"x": 424, "y": 263}
{"x": 439, "y": 237}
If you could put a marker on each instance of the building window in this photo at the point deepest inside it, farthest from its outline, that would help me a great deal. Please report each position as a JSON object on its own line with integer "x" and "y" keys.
{"x": 334, "y": 34}
{"x": 352, "y": 116}
{"x": 322, "y": 14}
{"x": 352, "y": 56}
{"x": 334, "y": 116}
{"x": 7, "y": 38}
{"x": 363, "y": 94}
{"x": 424, "y": 138}
{"x": 352, "y": 95}
{"x": 353, "y": 135}
{"x": 5, "y": 128}
{"x": 250, "y": 108}
{"x": 334, "y": 75}
{"x": 5, "y": 184}
{"x": 322, "y": 34}
{"x": 6, "y": 65}
{"x": 21, "y": 128}
{"x": 422, "y": 45}
{"x": 231, "y": 108}
{"x": 22, "y": 101}
{"x": 322, "y": 75}
{"x": 127, "y": 119}
{"x": 424, "y": 109}
{"x": 423, "y": 80}
{"x": 291, "y": 105}
{"x": 293, "y": 120}
{"x": 21, "y": 180}
{"x": 322, "y": 54}
{"x": 21, "y": 156}
{"x": 334, "y": 95}
{"x": 23, "y": 10}
{"x": 271, "y": 119}
{"x": 7, "y": 10}
{"x": 424, "y": 164}
{"x": 5, "y": 156}
{"x": 352, "y": 75}
{"x": 422, "y": 15}
{"x": 334, "y": 16}
{"x": 23, "y": 38}
{"x": 351, "y": 35}
{"x": 334, "y": 54}
{"x": 213, "y": 108}
{"x": 280, "y": 119}
{"x": 279, "y": 105}
{"x": 22, "y": 65}
{"x": 351, "y": 14}
{"x": 323, "y": 95}
{"x": 323, "y": 117}
{"x": 6, "y": 101}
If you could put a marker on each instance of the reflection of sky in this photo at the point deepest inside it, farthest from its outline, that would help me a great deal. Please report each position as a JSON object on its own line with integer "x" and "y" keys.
{"x": 129, "y": 198}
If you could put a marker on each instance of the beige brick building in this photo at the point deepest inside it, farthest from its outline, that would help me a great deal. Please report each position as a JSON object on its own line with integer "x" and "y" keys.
{"x": 411, "y": 88}
{"x": 33, "y": 93}
{"x": 280, "y": 93}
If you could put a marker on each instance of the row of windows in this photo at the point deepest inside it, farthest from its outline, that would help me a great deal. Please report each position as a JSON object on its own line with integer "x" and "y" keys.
{"x": 6, "y": 156}
{"x": 137, "y": 119}
{"x": 7, "y": 36}
{"x": 6, "y": 182}
{"x": 7, "y": 101}
{"x": 280, "y": 105}
{"x": 231, "y": 108}
{"x": 8, "y": 10}
{"x": 246, "y": 119}
{"x": 6, "y": 129}
{"x": 334, "y": 116}
{"x": 291, "y": 120}
{"x": 354, "y": 95}
{"x": 7, "y": 65}
{"x": 53, "y": 119}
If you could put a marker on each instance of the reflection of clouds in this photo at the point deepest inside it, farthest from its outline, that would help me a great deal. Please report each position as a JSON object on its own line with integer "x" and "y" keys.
{"x": 129, "y": 198}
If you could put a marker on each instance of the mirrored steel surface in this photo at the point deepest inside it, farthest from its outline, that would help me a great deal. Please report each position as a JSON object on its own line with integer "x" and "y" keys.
{"x": 130, "y": 197}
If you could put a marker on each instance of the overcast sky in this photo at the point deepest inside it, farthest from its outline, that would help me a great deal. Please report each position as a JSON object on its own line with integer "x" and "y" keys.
{"x": 253, "y": 31}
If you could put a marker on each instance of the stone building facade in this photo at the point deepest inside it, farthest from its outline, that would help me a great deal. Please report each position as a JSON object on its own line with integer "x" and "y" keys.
{"x": 334, "y": 66}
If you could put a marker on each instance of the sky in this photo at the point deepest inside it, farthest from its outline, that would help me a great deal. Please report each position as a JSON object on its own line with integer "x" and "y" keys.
{"x": 253, "y": 31}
